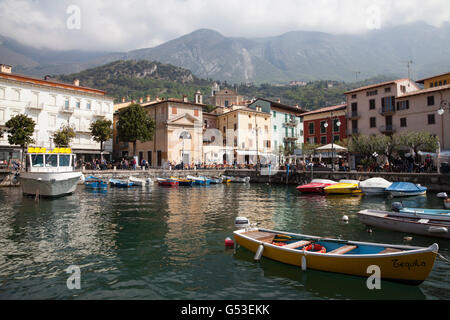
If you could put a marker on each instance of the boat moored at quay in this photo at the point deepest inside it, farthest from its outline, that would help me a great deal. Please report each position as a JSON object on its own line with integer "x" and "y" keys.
{"x": 340, "y": 256}
{"x": 49, "y": 173}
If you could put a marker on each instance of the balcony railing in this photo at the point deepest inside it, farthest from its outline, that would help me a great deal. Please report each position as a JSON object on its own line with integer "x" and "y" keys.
{"x": 67, "y": 109}
{"x": 354, "y": 115}
{"x": 291, "y": 123}
{"x": 387, "y": 111}
{"x": 290, "y": 139}
{"x": 352, "y": 131}
{"x": 35, "y": 106}
{"x": 387, "y": 129}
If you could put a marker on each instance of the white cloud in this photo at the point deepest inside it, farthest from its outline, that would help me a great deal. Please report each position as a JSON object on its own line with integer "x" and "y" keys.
{"x": 125, "y": 25}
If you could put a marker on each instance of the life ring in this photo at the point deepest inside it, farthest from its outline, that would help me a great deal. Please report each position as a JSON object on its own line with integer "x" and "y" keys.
{"x": 316, "y": 248}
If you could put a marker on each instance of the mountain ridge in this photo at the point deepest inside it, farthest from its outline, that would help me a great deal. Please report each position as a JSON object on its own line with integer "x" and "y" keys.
{"x": 293, "y": 55}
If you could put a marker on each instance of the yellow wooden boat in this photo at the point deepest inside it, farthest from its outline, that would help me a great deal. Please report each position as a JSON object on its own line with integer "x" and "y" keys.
{"x": 398, "y": 263}
{"x": 344, "y": 187}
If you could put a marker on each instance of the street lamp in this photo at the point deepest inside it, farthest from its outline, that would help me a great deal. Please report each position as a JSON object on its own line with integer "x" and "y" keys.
{"x": 338, "y": 124}
{"x": 183, "y": 135}
{"x": 444, "y": 104}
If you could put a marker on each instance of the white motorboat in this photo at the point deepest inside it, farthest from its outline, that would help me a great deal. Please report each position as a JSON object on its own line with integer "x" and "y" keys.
{"x": 49, "y": 173}
{"x": 140, "y": 182}
{"x": 445, "y": 199}
{"x": 412, "y": 223}
{"x": 374, "y": 186}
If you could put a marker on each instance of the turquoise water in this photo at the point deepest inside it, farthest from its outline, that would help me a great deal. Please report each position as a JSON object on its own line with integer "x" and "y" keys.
{"x": 168, "y": 243}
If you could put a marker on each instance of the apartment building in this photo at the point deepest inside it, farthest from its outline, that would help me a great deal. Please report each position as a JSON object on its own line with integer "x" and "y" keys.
{"x": 287, "y": 124}
{"x": 371, "y": 110}
{"x": 435, "y": 81}
{"x": 428, "y": 110}
{"x": 325, "y": 125}
{"x": 51, "y": 104}
{"x": 243, "y": 135}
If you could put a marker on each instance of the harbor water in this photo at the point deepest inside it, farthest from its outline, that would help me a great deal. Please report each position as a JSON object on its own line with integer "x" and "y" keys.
{"x": 163, "y": 243}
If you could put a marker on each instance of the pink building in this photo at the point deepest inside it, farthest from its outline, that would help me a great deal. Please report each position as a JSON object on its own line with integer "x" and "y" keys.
{"x": 371, "y": 110}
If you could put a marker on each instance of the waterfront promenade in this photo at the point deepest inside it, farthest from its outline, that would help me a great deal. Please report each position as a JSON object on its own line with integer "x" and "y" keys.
{"x": 433, "y": 181}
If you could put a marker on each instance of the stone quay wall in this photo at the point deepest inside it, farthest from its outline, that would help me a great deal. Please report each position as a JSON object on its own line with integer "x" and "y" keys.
{"x": 433, "y": 181}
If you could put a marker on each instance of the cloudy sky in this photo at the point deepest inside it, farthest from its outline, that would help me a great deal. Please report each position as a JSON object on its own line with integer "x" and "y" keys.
{"x": 124, "y": 25}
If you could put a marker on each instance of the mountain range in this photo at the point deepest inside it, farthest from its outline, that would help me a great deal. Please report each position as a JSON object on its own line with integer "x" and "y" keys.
{"x": 296, "y": 55}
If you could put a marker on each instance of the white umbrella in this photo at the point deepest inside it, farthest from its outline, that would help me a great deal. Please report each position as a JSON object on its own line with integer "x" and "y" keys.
{"x": 332, "y": 147}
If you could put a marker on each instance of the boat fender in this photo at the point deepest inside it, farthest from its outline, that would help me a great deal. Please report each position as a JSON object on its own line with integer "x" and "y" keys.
{"x": 345, "y": 218}
{"x": 304, "y": 267}
{"x": 438, "y": 230}
{"x": 315, "y": 248}
{"x": 229, "y": 242}
{"x": 259, "y": 253}
{"x": 396, "y": 206}
{"x": 442, "y": 195}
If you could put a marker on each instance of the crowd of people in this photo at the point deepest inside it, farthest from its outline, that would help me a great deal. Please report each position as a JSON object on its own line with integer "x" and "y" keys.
{"x": 399, "y": 164}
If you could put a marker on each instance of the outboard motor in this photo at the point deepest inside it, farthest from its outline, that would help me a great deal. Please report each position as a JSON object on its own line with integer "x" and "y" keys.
{"x": 241, "y": 222}
{"x": 396, "y": 206}
{"x": 442, "y": 195}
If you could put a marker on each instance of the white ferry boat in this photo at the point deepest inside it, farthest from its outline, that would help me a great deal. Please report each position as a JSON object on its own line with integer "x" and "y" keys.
{"x": 49, "y": 173}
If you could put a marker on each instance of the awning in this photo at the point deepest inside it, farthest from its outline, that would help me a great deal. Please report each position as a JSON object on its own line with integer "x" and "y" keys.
{"x": 331, "y": 147}
{"x": 89, "y": 151}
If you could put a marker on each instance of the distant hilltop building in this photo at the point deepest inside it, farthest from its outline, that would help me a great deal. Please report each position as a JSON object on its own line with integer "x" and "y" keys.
{"x": 297, "y": 83}
{"x": 225, "y": 97}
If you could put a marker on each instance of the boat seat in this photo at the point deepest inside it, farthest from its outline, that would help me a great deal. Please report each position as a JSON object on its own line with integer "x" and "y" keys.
{"x": 342, "y": 250}
{"x": 297, "y": 244}
{"x": 261, "y": 236}
{"x": 390, "y": 250}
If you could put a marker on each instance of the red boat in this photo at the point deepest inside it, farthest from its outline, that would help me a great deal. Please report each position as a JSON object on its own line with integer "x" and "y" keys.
{"x": 167, "y": 182}
{"x": 315, "y": 186}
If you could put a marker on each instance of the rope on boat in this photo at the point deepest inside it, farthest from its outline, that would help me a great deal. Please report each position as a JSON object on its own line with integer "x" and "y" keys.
{"x": 443, "y": 258}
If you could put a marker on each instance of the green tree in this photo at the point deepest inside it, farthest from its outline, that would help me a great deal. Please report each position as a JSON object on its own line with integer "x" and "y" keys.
{"x": 20, "y": 129}
{"x": 63, "y": 136}
{"x": 101, "y": 131}
{"x": 419, "y": 141}
{"x": 135, "y": 124}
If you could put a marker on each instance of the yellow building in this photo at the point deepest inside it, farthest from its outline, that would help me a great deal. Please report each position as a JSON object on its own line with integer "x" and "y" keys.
{"x": 178, "y": 133}
{"x": 435, "y": 81}
{"x": 242, "y": 135}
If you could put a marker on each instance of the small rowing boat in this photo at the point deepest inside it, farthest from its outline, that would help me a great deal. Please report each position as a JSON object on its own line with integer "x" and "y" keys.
{"x": 399, "y": 263}
{"x": 140, "y": 182}
{"x": 92, "y": 182}
{"x": 316, "y": 186}
{"x": 426, "y": 226}
{"x": 202, "y": 181}
{"x": 120, "y": 183}
{"x": 167, "y": 182}
{"x": 183, "y": 181}
{"x": 406, "y": 189}
{"x": 216, "y": 180}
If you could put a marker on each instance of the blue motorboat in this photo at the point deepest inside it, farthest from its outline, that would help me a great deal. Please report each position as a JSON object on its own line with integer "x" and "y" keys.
{"x": 203, "y": 181}
{"x": 406, "y": 189}
{"x": 120, "y": 183}
{"x": 437, "y": 214}
{"x": 92, "y": 182}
